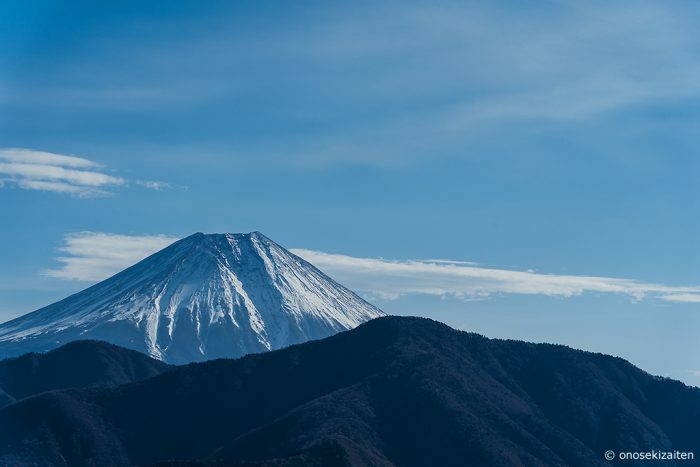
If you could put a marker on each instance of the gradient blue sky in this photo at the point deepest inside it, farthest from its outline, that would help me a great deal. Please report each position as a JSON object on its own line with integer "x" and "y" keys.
{"x": 555, "y": 137}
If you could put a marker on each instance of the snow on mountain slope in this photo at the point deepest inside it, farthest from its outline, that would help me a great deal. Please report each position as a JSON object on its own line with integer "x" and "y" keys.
{"x": 203, "y": 297}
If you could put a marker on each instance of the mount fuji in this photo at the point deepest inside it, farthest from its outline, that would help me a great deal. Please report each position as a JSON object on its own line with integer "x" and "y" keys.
{"x": 203, "y": 297}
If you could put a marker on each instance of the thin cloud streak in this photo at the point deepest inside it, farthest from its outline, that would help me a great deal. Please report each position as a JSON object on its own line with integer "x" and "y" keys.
{"x": 44, "y": 171}
{"x": 93, "y": 256}
{"x": 153, "y": 185}
{"x": 28, "y": 156}
{"x": 682, "y": 298}
{"x": 59, "y": 187}
{"x": 389, "y": 279}
{"x": 52, "y": 172}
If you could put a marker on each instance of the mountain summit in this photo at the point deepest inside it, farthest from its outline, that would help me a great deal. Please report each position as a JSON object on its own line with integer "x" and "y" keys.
{"x": 203, "y": 297}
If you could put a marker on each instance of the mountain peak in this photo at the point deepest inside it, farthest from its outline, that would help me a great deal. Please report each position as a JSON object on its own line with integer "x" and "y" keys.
{"x": 205, "y": 296}
{"x": 200, "y": 238}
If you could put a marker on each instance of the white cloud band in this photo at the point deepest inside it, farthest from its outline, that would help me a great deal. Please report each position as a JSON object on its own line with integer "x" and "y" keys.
{"x": 392, "y": 279}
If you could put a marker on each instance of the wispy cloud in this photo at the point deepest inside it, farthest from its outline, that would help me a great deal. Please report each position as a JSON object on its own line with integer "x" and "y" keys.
{"x": 153, "y": 185}
{"x": 41, "y": 158}
{"x": 682, "y": 297}
{"x": 45, "y": 171}
{"x": 93, "y": 256}
{"x": 455, "y": 65}
{"x": 390, "y": 279}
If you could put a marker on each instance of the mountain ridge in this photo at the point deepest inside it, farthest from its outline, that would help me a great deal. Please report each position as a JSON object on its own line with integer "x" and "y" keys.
{"x": 393, "y": 391}
{"x": 76, "y": 364}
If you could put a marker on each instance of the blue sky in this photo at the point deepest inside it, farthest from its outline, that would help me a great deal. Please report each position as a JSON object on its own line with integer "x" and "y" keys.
{"x": 558, "y": 138}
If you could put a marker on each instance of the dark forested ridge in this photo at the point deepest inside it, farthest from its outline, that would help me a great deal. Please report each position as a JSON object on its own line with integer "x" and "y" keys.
{"x": 394, "y": 391}
{"x": 78, "y": 364}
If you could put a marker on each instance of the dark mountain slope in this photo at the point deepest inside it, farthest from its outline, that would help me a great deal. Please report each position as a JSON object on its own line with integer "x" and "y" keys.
{"x": 394, "y": 391}
{"x": 5, "y": 398}
{"x": 78, "y": 364}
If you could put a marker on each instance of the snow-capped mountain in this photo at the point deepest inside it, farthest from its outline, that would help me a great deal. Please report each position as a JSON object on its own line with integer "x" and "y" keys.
{"x": 203, "y": 297}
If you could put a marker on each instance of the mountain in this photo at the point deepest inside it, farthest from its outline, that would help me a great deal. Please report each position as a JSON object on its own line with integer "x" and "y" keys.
{"x": 393, "y": 391}
{"x": 77, "y": 364}
{"x": 203, "y": 297}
